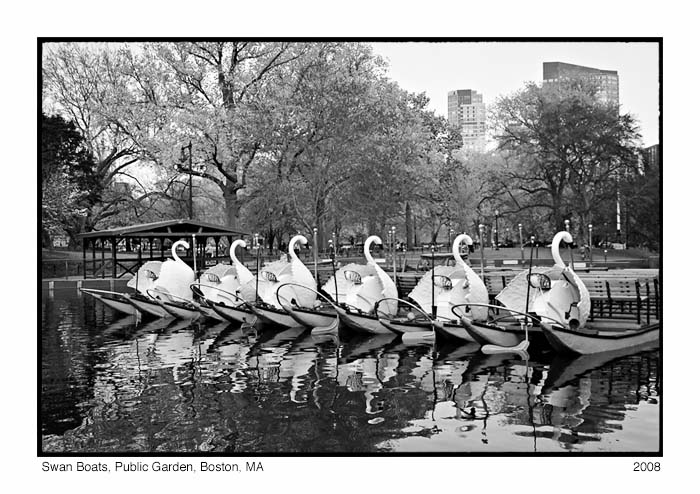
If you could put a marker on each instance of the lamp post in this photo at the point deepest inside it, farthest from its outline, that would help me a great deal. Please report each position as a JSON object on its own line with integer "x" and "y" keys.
{"x": 257, "y": 263}
{"x": 393, "y": 249}
{"x": 522, "y": 247}
{"x": 590, "y": 242}
{"x": 495, "y": 230}
{"x": 481, "y": 247}
{"x": 316, "y": 254}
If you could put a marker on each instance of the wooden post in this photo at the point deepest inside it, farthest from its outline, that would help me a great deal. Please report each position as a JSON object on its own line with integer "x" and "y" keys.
{"x": 84, "y": 257}
{"x": 102, "y": 256}
{"x": 150, "y": 248}
{"x": 114, "y": 257}
{"x": 162, "y": 252}
{"x": 93, "y": 257}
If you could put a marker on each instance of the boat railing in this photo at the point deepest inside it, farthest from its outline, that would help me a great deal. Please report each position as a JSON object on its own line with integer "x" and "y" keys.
{"x": 537, "y": 318}
{"x": 400, "y": 301}
{"x": 318, "y": 294}
{"x": 240, "y": 299}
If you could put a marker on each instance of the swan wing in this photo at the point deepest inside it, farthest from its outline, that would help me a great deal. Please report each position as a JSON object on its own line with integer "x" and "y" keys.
{"x": 176, "y": 277}
{"x": 345, "y": 284}
{"x": 145, "y": 276}
{"x": 449, "y": 282}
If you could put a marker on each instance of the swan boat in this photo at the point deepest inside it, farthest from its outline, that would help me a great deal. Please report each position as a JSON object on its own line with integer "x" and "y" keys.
{"x": 118, "y": 301}
{"x": 224, "y": 290}
{"x": 444, "y": 287}
{"x": 371, "y": 291}
{"x": 138, "y": 302}
{"x": 171, "y": 290}
{"x": 600, "y": 336}
{"x": 144, "y": 281}
{"x": 300, "y": 290}
{"x": 554, "y": 294}
{"x": 321, "y": 318}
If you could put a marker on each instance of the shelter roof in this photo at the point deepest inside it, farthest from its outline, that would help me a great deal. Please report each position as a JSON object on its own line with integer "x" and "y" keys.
{"x": 169, "y": 228}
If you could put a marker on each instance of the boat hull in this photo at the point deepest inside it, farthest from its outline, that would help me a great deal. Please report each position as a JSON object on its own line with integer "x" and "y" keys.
{"x": 312, "y": 319}
{"x": 120, "y": 306}
{"x": 453, "y": 331}
{"x": 402, "y": 327}
{"x": 210, "y": 313}
{"x": 149, "y": 307}
{"x": 274, "y": 316}
{"x": 120, "y": 302}
{"x": 577, "y": 342}
{"x": 239, "y": 314}
{"x": 362, "y": 323}
{"x": 182, "y": 311}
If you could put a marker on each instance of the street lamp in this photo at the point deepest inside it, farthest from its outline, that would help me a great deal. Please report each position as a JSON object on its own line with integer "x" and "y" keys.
{"x": 566, "y": 225}
{"x": 590, "y": 242}
{"x": 481, "y": 247}
{"x": 495, "y": 231}
{"x": 316, "y": 254}
{"x": 393, "y": 249}
{"x": 522, "y": 248}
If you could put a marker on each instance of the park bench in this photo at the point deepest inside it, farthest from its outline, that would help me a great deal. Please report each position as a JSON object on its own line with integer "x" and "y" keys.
{"x": 405, "y": 282}
{"x": 647, "y": 278}
{"x": 622, "y": 297}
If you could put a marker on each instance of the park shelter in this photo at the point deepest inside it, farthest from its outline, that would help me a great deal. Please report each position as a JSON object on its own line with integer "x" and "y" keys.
{"x": 119, "y": 251}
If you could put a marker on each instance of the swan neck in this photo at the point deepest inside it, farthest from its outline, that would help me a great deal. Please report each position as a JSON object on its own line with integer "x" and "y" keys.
{"x": 455, "y": 248}
{"x": 233, "y": 251}
{"x": 368, "y": 244}
{"x": 174, "y": 249}
{"x": 558, "y": 261}
{"x": 292, "y": 243}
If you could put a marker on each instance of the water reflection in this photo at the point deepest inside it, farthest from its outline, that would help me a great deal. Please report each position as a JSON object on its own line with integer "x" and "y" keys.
{"x": 112, "y": 384}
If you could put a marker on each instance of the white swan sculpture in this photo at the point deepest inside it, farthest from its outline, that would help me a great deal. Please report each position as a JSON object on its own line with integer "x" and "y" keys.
{"x": 278, "y": 273}
{"x": 221, "y": 279}
{"x": 454, "y": 285}
{"x": 366, "y": 291}
{"x": 175, "y": 276}
{"x": 567, "y": 301}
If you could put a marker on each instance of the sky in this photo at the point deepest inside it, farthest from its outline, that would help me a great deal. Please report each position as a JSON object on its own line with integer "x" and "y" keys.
{"x": 500, "y": 68}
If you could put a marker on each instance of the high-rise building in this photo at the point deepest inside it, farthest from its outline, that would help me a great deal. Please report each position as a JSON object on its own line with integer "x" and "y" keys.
{"x": 650, "y": 157}
{"x": 466, "y": 112}
{"x": 607, "y": 80}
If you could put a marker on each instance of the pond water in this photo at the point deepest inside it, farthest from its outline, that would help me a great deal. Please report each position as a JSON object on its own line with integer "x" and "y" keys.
{"x": 112, "y": 385}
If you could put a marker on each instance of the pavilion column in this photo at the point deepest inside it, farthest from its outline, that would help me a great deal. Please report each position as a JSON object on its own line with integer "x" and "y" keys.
{"x": 93, "y": 257}
{"x": 102, "y": 256}
{"x": 114, "y": 257}
{"x": 84, "y": 258}
{"x": 150, "y": 248}
{"x": 230, "y": 242}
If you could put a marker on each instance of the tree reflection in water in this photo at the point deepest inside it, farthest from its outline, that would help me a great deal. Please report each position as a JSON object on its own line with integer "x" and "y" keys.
{"x": 113, "y": 384}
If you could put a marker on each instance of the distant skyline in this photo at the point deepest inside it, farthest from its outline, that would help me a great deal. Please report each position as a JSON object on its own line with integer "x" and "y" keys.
{"x": 500, "y": 68}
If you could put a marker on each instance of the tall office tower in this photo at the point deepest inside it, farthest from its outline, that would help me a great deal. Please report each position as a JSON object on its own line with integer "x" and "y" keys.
{"x": 466, "y": 112}
{"x": 607, "y": 80}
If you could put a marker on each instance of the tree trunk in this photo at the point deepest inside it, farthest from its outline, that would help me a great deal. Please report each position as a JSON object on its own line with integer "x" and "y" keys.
{"x": 232, "y": 205}
{"x": 409, "y": 226}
